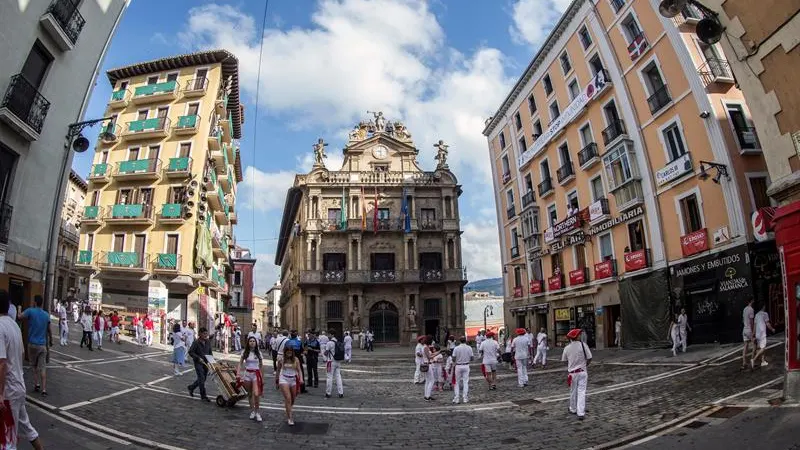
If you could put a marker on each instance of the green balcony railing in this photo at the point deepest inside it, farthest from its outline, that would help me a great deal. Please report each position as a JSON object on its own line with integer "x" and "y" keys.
{"x": 230, "y": 125}
{"x": 128, "y": 211}
{"x": 167, "y": 261}
{"x": 91, "y": 212}
{"x": 145, "y": 125}
{"x": 171, "y": 211}
{"x": 138, "y": 166}
{"x": 222, "y": 200}
{"x": 214, "y": 274}
{"x": 99, "y": 170}
{"x": 123, "y": 259}
{"x": 180, "y": 164}
{"x": 158, "y": 88}
{"x": 118, "y": 96}
{"x": 187, "y": 122}
{"x": 85, "y": 257}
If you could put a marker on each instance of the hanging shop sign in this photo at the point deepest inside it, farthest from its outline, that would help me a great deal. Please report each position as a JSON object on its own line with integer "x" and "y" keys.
{"x": 635, "y": 260}
{"x": 598, "y": 209}
{"x": 622, "y": 218}
{"x": 517, "y": 291}
{"x": 537, "y": 286}
{"x": 557, "y": 246}
{"x": 579, "y": 276}
{"x": 595, "y": 87}
{"x": 674, "y": 170}
{"x": 694, "y": 242}
{"x": 567, "y": 225}
{"x": 538, "y": 254}
{"x": 763, "y": 229}
{"x": 605, "y": 269}
{"x": 555, "y": 282}
{"x": 548, "y": 236}
{"x": 570, "y": 240}
{"x": 561, "y": 314}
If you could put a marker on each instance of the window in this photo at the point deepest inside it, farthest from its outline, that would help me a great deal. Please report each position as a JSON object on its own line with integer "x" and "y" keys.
{"x": 631, "y": 28}
{"x": 176, "y": 194}
{"x": 537, "y": 129}
{"x": 566, "y": 65}
{"x": 536, "y": 270}
{"x": 123, "y": 85}
{"x": 572, "y": 203}
{"x": 606, "y": 247}
{"x": 383, "y": 213}
{"x": 758, "y": 186}
{"x": 652, "y": 78}
{"x": 36, "y": 64}
{"x": 745, "y": 133}
{"x": 523, "y": 144}
{"x": 563, "y": 152}
{"x": 586, "y": 135}
{"x": 514, "y": 243}
{"x": 554, "y": 112}
{"x": 237, "y": 299}
{"x": 548, "y": 85}
{"x": 152, "y": 80}
{"x": 674, "y": 142}
{"x": 184, "y": 149}
{"x": 518, "y": 121}
{"x": 544, "y": 169}
{"x": 334, "y": 215}
{"x": 237, "y": 278}
{"x": 382, "y": 261}
{"x": 380, "y": 167}
{"x": 556, "y": 264}
{"x": 618, "y": 167}
{"x": 506, "y": 169}
{"x": 636, "y": 236}
{"x": 334, "y": 261}
{"x": 334, "y": 309}
{"x": 586, "y": 38}
{"x": 428, "y": 214}
{"x": 574, "y": 90}
{"x": 509, "y": 198}
{"x": 596, "y": 64}
{"x": 502, "y": 140}
{"x": 552, "y": 215}
{"x": 580, "y": 256}
{"x": 172, "y": 76}
{"x": 142, "y": 114}
{"x": 95, "y": 198}
{"x": 517, "y": 276}
{"x": 531, "y": 104}
{"x": 690, "y": 214}
{"x": 597, "y": 188}
{"x": 528, "y": 183}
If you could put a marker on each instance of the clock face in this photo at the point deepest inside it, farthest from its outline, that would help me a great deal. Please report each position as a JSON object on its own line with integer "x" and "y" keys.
{"x": 380, "y": 152}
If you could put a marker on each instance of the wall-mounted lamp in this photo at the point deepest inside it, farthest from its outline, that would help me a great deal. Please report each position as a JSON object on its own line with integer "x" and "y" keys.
{"x": 722, "y": 171}
{"x": 709, "y": 29}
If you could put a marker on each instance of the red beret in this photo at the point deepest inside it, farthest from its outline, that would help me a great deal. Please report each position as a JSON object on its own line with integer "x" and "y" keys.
{"x": 574, "y": 333}
{"x": 490, "y": 334}
{"x": 520, "y": 331}
{"x": 421, "y": 338}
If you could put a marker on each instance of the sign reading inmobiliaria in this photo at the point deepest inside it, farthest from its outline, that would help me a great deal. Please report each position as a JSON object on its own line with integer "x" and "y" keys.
{"x": 695, "y": 242}
{"x": 595, "y": 87}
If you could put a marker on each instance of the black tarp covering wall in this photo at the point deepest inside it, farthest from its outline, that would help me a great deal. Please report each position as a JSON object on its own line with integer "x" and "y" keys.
{"x": 645, "y": 306}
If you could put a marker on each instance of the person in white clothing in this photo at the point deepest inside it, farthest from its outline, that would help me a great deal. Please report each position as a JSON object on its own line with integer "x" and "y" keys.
{"x": 256, "y": 334}
{"x": 462, "y": 356}
{"x": 13, "y": 389}
{"x": 178, "y": 349}
{"x": 531, "y": 346}
{"x": 63, "y": 327}
{"x": 683, "y": 325}
{"x": 418, "y": 378}
{"x": 189, "y": 334}
{"x": 541, "y": 348}
{"x": 520, "y": 346}
{"x": 323, "y": 341}
{"x": 335, "y": 355}
{"x": 348, "y": 347}
{"x": 761, "y": 321}
{"x": 618, "y": 332}
{"x": 578, "y": 356}
{"x": 748, "y": 317}
{"x": 428, "y": 354}
{"x": 479, "y": 340}
{"x": 674, "y": 335}
{"x": 490, "y": 350}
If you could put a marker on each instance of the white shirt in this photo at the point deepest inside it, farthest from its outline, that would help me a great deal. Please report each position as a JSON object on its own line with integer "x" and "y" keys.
{"x": 541, "y": 338}
{"x": 520, "y": 346}
{"x": 418, "y": 353}
{"x": 530, "y": 339}
{"x": 86, "y": 322}
{"x": 178, "y": 340}
{"x": 277, "y": 343}
{"x": 762, "y": 318}
{"x": 682, "y": 321}
{"x": 479, "y": 340}
{"x": 12, "y": 311}
{"x": 62, "y": 312}
{"x": 574, "y": 355}
{"x": 323, "y": 340}
{"x": 255, "y": 334}
{"x": 11, "y": 351}
{"x": 348, "y": 341}
{"x": 489, "y": 348}
{"x": 747, "y": 318}
{"x": 188, "y": 333}
{"x": 330, "y": 349}
{"x": 617, "y": 326}
{"x": 463, "y": 354}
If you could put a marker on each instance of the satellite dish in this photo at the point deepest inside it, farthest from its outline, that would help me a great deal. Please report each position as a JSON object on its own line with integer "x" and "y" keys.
{"x": 671, "y": 8}
{"x": 81, "y": 144}
{"x": 709, "y": 31}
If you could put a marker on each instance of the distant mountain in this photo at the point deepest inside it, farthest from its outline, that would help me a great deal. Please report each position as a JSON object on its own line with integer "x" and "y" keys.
{"x": 491, "y": 285}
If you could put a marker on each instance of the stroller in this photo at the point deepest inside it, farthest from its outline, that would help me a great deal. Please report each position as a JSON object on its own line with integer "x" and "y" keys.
{"x": 224, "y": 375}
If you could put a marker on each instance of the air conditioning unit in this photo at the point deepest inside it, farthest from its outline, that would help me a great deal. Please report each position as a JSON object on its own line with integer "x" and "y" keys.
{"x": 187, "y": 215}
{"x": 190, "y": 193}
{"x": 203, "y": 197}
{"x": 201, "y": 216}
{"x": 193, "y": 184}
{"x": 189, "y": 204}
{"x": 201, "y": 207}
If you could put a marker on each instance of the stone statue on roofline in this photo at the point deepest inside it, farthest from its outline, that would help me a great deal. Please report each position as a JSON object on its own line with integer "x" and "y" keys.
{"x": 441, "y": 154}
{"x": 319, "y": 153}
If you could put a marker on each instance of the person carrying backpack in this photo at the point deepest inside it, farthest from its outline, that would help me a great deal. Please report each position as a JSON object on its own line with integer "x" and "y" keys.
{"x": 334, "y": 352}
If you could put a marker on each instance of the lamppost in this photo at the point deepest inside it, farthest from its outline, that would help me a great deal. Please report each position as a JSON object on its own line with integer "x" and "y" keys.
{"x": 76, "y": 141}
{"x": 487, "y": 311}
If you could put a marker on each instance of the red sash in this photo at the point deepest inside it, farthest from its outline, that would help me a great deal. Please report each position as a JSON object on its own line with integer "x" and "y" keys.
{"x": 8, "y": 430}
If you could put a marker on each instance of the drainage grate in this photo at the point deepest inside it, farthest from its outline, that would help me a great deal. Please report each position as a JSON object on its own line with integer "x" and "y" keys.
{"x": 727, "y": 412}
{"x": 530, "y": 401}
{"x": 305, "y": 428}
{"x": 695, "y": 424}
{"x": 509, "y": 441}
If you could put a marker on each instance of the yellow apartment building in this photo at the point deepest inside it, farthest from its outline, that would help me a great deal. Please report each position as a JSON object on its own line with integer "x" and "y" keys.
{"x": 626, "y": 169}
{"x": 158, "y": 221}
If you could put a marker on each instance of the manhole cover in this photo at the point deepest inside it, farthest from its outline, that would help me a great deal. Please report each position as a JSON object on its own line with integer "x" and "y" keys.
{"x": 510, "y": 441}
{"x": 695, "y": 424}
{"x": 305, "y": 428}
{"x": 530, "y": 401}
{"x": 727, "y": 412}
{"x": 602, "y": 382}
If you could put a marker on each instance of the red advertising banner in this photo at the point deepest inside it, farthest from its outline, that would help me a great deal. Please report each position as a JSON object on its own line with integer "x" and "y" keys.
{"x": 517, "y": 291}
{"x": 605, "y": 269}
{"x": 635, "y": 260}
{"x": 537, "y": 286}
{"x": 695, "y": 242}
{"x": 577, "y": 277}
{"x": 555, "y": 283}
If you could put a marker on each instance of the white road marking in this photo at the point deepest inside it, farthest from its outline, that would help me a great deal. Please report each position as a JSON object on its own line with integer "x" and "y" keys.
{"x": 113, "y": 432}
{"x": 760, "y": 386}
{"x": 98, "y": 399}
{"x": 75, "y": 405}
{"x": 107, "y": 437}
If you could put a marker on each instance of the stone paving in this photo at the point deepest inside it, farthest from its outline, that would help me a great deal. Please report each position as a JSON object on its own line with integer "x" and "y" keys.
{"x": 129, "y": 390}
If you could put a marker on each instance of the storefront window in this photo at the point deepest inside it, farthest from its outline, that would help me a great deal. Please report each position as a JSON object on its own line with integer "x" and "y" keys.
{"x": 620, "y": 166}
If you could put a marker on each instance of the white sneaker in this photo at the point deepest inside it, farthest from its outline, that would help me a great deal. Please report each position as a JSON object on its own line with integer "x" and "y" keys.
{"x": 258, "y": 417}
{"x": 764, "y": 363}
{"x": 290, "y": 422}
{"x": 252, "y": 415}
{"x": 455, "y": 400}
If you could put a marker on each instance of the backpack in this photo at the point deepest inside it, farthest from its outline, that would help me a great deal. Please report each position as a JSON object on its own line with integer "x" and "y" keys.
{"x": 338, "y": 352}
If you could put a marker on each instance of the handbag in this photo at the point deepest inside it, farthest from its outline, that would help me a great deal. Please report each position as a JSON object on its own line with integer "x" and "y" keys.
{"x": 424, "y": 367}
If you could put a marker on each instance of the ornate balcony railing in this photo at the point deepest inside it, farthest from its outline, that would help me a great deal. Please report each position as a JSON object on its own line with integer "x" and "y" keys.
{"x": 614, "y": 130}
{"x": 545, "y": 187}
{"x": 430, "y": 274}
{"x": 382, "y": 276}
{"x": 565, "y": 172}
{"x": 345, "y": 177}
{"x": 511, "y": 212}
{"x": 26, "y": 103}
{"x": 68, "y": 17}
{"x": 334, "y": 276}
{"x": 527, "y": 199}
{"x": 715, "y": 69}
{"x": 166, "y": 262}
{"x": 588, "y": 155}
{"x": 659, "y": 99}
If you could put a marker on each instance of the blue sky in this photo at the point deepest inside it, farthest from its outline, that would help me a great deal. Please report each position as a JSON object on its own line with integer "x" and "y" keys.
{"x": 440, "y": 66}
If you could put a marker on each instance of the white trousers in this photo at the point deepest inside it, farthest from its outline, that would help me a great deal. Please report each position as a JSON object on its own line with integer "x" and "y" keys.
{"x": 417, "y": 374}
{"x": 64, "y": 328}
{"x": 25, "y": 431}
{"x": 522, "y": 371}
{"x": 462, "y": 380}
{"x": 430, "y": 378}
{"x": 334, "y": 372}
{"x": 541, "y": 356}
{"x": 98, "y": 338}
{"x": 683, "y": 338}
{"x": 149, "y": 336}
{"x": 348, "y": 353}
{"x": 676, "y": 342}
{"x": 577, "y": 393}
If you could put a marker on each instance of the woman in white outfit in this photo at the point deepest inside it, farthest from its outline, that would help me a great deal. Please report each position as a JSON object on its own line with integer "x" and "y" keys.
{"x": 288, "y": 380}
{"x": 252, "y": 378}
{"x": 348, "y": 346}
{"x": 418, "y": 376}
{"x": 541, "y": 348}
{"x": 674, "y": 335}
{"x": 430, "y": 377}
{"x": 178, "y": 348}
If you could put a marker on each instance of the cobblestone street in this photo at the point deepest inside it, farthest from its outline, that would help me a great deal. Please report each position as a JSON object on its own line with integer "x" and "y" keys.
{"x": 127, "y": 394}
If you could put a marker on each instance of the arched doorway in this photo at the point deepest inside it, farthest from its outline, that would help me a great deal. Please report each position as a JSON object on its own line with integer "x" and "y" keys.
{"x": 384, "y": 322}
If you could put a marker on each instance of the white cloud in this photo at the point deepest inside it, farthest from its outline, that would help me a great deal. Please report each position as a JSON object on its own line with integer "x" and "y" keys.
{"x": 266, "y": 273}
{"x": 270, "y": 189}
{"x": 480, "y": 246}
{"x": 533, "y": 19}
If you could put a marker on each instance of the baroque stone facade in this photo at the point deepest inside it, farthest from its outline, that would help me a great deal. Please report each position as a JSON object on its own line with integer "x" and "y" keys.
{"x": 376, "y": 244}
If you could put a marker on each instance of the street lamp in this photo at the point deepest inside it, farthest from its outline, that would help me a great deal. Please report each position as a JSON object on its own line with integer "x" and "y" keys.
{"x": 722, "y": 171}
{"x": 488, "y": 311}
{"x": 76, "y": 141}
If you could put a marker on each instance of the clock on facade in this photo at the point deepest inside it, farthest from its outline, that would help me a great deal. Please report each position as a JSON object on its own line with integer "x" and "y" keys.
{"x": 380, "y": 152}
